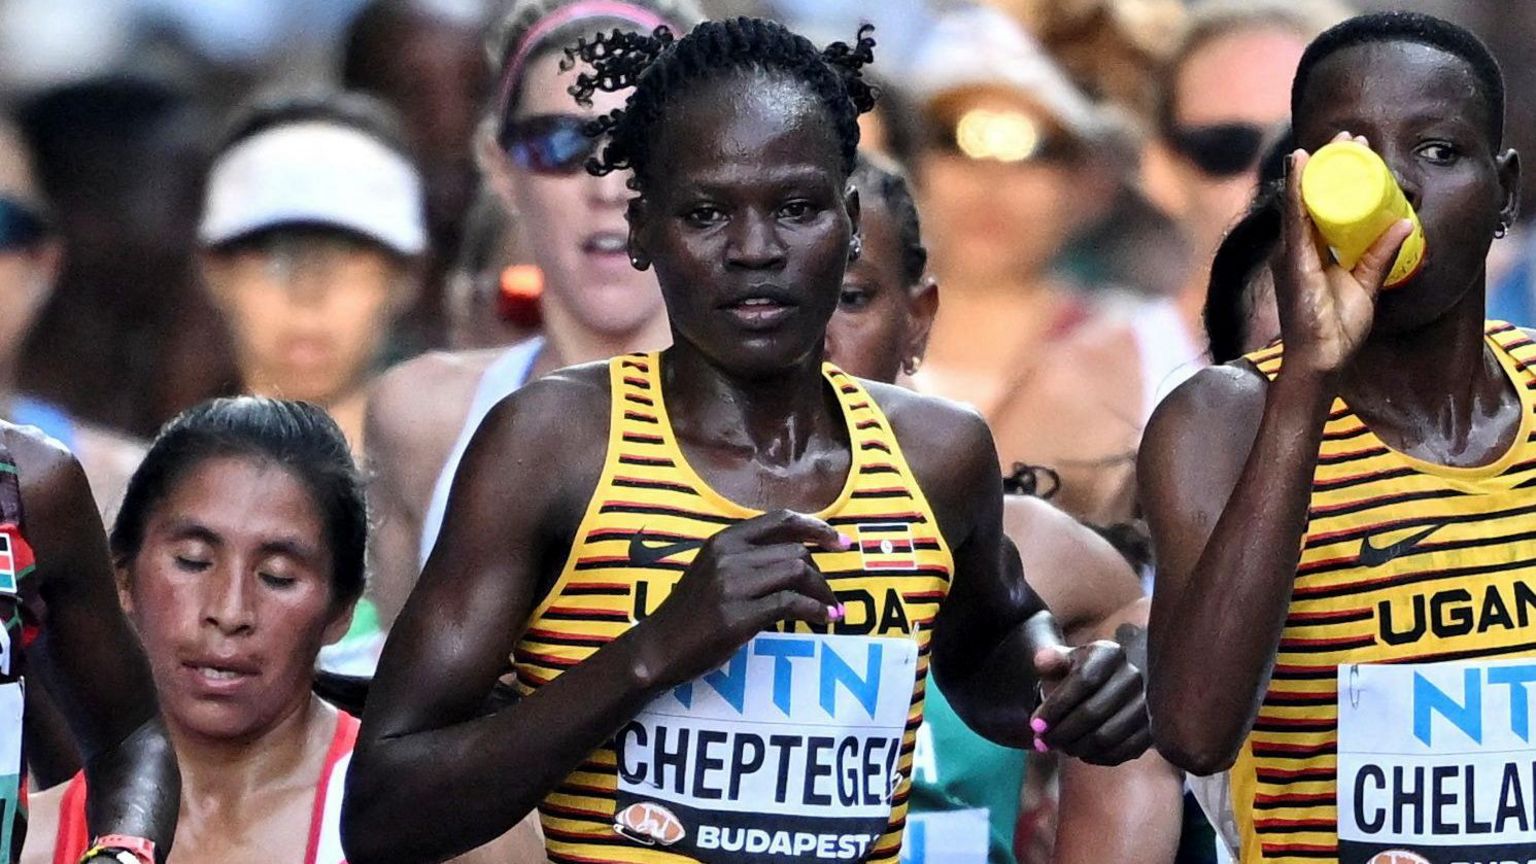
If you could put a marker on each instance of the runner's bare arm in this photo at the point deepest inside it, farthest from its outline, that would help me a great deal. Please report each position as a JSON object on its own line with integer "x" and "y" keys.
{"x": 407, "y": 445}
{"x": 1077, "y": 573}
{"x": 1226, "y": 473}
{"x": 86, "y": 653}
{"x": 989, "y": 634}
{"x": 1129, "y": 812}
{"x": 433, "y": 776}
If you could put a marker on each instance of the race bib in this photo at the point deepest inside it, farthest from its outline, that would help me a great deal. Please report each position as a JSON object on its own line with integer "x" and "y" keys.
{"x": 946, "y": 837}
{"x": 11, "y": 706}
{"x": 1436, "y": 764}
{"x": 789, "y": 752}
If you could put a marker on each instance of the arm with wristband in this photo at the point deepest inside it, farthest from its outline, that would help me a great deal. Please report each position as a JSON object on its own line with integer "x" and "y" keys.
{"x": 81, "y": 646}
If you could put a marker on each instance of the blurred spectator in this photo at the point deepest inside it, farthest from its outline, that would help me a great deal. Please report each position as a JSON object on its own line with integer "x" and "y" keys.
{"x": 29, "y": 263}
{"x": 424, "y": 58}
{"x": 489, "y": 300}
{"x": 1225, "y": 97}
{"x": 1111, "y": 49}
{"x": 311, "y": 232}
{"x": 1010, "y": 165}
{"x": 127, "y": 339}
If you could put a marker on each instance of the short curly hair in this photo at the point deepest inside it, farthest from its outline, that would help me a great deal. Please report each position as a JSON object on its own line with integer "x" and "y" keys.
{"x": 661, "y": 68}
{"x": 1412, "y": 28}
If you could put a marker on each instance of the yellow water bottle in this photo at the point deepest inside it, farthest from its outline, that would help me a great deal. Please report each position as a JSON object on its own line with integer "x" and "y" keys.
{"x": 1353, "y": 199}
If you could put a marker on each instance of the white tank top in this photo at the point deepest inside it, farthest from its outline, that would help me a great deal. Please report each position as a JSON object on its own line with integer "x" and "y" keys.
{"x": 505, "y": 374}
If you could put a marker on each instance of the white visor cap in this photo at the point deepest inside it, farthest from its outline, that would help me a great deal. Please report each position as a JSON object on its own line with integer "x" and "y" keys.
{"x": 315, "y": 173}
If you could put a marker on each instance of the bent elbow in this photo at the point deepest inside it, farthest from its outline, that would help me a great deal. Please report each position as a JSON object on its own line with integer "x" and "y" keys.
{"x": 1199, "y": 751}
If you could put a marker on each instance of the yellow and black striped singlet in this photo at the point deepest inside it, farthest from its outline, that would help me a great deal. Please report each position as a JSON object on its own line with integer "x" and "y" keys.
{"x": 1403, "y": 561}
{"x": 892, "y": 584}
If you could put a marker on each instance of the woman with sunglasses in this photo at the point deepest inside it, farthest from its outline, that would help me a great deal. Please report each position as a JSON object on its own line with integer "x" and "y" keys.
{"x": 29, "y": 264}
{"x": 593, "y": 303}
{"x": 238, "y": 553}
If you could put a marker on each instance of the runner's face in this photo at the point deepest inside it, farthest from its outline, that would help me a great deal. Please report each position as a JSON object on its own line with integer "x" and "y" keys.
{"x": 578, "y": 239}
{"x": 868, "y": 335}
{"x": 747, "y": 222}
{"x": 231, "y": 595}
{"x": 1421, "y": 110}
{"x": 309, "y": 311}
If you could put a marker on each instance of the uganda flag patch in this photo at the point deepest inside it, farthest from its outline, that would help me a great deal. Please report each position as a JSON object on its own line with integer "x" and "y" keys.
{"x": 887, "y": 546}
{"x": 15, "y": 558}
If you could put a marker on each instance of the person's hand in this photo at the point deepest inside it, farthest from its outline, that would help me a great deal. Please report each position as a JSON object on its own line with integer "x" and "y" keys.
{"x": 1325, "y": 310}
{"x": 743, "y": 579}
{"x": 1095, "y": 706}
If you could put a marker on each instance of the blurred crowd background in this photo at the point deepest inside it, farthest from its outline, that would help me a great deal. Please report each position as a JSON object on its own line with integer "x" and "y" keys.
{"x": 120, "y": 103}
{"x": 1076, "y": 162}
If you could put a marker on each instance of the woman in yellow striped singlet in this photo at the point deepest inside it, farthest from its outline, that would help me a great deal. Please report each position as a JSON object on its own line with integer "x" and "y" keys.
{"x": 1346, "y": 522}
{"x": 702, "y": 680}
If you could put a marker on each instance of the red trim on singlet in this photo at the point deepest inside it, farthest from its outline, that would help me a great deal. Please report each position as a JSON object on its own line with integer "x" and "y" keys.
{"x": 341, "y": 745}
{"x": 74, "y": 835}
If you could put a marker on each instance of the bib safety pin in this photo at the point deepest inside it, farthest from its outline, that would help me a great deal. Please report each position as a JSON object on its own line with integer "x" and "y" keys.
{"x": 1354, "y": 690}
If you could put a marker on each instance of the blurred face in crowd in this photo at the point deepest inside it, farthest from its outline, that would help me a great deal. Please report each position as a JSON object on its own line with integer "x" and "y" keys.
{"x": 431, "y": 68}
{"x": 310, "y": 308}
{"x": 573, "y": 222}
{"x": 1002, "y": 187}
{"x": 881, "y": 321}
{"x": 1231, "y": 98}
{"x": 232, "y": 595}
{"x": 29, "y": 257}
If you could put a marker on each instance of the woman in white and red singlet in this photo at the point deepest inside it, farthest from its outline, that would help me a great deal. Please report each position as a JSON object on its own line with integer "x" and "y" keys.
{"x": 239, "y": 554}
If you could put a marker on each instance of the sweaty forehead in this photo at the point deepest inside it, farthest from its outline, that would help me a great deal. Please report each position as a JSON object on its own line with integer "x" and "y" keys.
{"x": 1385, "y": 79}
{"x": 744, "y": 121}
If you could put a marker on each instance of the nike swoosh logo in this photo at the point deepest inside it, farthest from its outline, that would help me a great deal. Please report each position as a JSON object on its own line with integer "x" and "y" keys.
{"x": 642, "y": 550}
{"x": 1375, "y": 556}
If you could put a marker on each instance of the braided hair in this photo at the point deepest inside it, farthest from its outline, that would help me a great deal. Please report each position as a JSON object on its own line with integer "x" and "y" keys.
{"x": 878, "y": 177}
{"x": 661, "y": 68}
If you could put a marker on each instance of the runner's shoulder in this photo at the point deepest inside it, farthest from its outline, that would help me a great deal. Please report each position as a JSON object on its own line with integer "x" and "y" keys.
{"x": 395, "y": 400}
{"x": 930, "y": 424}
{"x": 1232, "y": 394}
{"x": 564, "y": 412}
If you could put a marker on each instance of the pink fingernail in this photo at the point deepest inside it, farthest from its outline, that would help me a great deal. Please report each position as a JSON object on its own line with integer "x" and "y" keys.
{"x": 1039, "y": 726}
{"x": 1040, "y": 746}
{"x": 848, "y": 542}
{"x": 842, "y": 610}
{"x": 835, "y": 613}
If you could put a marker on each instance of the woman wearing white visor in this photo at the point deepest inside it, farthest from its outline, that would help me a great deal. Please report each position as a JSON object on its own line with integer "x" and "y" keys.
{"x": 311, "y": 231}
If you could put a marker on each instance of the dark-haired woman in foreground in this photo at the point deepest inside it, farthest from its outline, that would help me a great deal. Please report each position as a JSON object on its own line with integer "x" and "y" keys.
{"x": 239, "y": 553}
{"x": 703, "y": 680}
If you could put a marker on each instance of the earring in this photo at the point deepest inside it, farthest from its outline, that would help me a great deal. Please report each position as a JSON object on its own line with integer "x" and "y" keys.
{"x": 1500, "y": 231}
{"x": 855, "y": 248}
{"x": 910, "y": 366}
{"x": 634, "y": 261}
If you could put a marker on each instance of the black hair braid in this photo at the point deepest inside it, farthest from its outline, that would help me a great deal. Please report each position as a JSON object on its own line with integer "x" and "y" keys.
{"x": 660, "y": 67}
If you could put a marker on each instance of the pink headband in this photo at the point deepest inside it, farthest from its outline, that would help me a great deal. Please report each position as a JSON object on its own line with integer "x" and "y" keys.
{"x": 615, "y": 9}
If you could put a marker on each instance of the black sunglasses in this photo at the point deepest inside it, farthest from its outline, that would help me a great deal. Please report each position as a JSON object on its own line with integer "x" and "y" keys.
{"x": 21, "y": 227}
{"x": 549, "y": 143}
{"x": 1222, "y": 149}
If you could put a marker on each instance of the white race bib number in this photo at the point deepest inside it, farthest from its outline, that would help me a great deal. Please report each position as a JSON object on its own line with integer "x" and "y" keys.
{"x": 946, "y": 837}
{"x": 1436, "y": 763}
{"x": 787, "y": 753}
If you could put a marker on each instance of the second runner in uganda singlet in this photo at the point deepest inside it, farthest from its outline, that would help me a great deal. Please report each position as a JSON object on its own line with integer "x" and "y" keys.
{"x": 1396, "y": 727}
{"x": 797, "y": 749}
